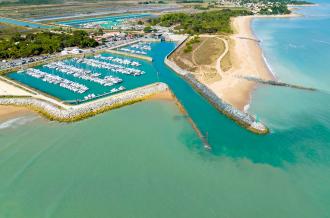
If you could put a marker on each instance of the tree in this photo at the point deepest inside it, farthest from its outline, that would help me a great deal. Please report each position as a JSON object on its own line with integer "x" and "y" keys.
{"x": 100, "y": 31}
{"x": 206, "y": 22}
{"x": 147, "y": 29}
{"x": 42, "y": 43}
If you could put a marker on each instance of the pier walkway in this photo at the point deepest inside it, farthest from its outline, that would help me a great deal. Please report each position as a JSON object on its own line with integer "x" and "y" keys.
{"x": 142, "y": 57}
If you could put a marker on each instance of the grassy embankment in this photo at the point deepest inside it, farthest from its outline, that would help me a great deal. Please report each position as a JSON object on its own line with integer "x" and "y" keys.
{"x": 225, "y": 63}
{"x": 200, "y": 57}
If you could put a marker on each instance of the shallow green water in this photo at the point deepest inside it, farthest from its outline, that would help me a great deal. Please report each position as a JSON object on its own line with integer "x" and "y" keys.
{"x": 127, "y": 164}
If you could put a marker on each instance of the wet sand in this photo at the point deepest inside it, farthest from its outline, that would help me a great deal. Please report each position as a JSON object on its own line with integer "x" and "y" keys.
{"x": 166, "y": 96}
{"x": 7, "y": 112}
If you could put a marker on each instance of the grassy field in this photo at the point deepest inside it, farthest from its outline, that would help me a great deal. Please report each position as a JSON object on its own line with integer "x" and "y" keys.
{"x": 209, "y": 51}
{"x": 202, "y": 58}
{"x": 225, "y": 62}
{"x": 8, "y": 30}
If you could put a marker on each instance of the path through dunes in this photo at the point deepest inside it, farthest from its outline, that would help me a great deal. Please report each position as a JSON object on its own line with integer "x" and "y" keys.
{"x": 204, "y": 58}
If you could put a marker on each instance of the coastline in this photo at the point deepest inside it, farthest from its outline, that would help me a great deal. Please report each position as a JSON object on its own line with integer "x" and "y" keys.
{"x": 247, "y": 60}
{"x": 12, "y": 111}
{"x": 233, "y": 90}
{"x": 11, "y": 108}
{"x": 8, "y": 112}
{"x": 241, "y": 118}
{"x": 232, "y": 94}
{"x": 11, "y": 105}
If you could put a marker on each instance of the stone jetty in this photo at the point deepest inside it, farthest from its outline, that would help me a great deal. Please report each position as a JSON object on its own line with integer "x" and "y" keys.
{"x": 244, "y": 119}
{"x": 278, "y": 83}
{"x": 79, "y": 112}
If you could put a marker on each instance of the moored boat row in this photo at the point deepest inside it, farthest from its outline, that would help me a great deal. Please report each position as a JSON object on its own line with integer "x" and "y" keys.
{"x": 142, "y": 46}
{"x": 116, "y": 68}
{"x": 119, "y": 60}
{"x": 132, "y": 51}
{"x": 57, "y": 80}
{"x": 84, "y": 74}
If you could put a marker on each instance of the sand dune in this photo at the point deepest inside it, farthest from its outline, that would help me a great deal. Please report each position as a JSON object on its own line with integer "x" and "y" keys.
{"x": 247, "y": 60}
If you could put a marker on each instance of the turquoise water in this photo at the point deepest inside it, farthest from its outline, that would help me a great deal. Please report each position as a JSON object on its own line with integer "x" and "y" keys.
{"x": 145, "y": 160}
{"x": 22, "y": 23}
{"x": 129, "y": 81}
{"x": 111, "y": 21}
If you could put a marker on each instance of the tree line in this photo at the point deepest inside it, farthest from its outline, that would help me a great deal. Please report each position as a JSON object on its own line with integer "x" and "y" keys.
{"x": 31, "y": 44}
{"x": 207, "y": 22}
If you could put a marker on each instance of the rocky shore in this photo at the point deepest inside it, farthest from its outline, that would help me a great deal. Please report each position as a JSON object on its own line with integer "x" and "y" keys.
{"x": 242, "y": 118}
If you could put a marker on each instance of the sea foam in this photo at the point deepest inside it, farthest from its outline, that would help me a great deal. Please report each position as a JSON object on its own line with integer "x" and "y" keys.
{"x": 15, "y": 122}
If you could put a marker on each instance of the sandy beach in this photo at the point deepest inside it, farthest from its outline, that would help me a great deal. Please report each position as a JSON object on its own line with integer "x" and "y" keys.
{"x": 247, "y": 60}
{"x": 165, "y": 96}
{"x": 7, "y": 112}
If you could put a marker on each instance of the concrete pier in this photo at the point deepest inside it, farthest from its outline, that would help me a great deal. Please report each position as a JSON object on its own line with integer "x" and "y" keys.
{"x": 142, "y": 57}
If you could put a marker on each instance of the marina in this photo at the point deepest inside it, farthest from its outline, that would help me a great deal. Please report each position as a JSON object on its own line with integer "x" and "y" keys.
{"x": 84, "y": 74}
{"x": 116, "y": 68}
{"x": 52, "y": 79}
{"x": 77, "y": 80}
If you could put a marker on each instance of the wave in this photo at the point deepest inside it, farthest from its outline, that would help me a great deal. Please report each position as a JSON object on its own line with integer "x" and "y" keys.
{"x": 19, "y": 121}
{"x": 291, "y": 45}
{"x": 321, "y": 41}
{"x": 262, "y": 53}
{"x": 268, "y": 65}
{"x": 246, "y": 108}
